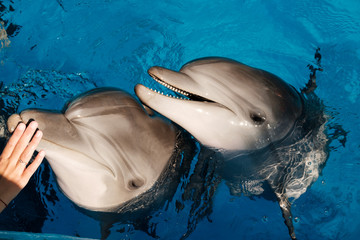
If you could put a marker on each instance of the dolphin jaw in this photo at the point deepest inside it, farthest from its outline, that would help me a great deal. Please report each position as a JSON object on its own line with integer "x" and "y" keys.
{"x": 188, "y": 95}
{"x": 162, "y": 82}
{"x": 196, "y": 116}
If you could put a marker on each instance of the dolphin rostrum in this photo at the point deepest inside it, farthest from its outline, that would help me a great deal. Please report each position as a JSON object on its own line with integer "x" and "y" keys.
{"x": 261, "y": 125}
{"x": 104, "y": 148}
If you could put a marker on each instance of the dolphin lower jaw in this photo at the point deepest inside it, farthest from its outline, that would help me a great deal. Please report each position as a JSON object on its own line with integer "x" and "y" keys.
{"x": 194, "y": 116}
{"x": 210, "y": 123}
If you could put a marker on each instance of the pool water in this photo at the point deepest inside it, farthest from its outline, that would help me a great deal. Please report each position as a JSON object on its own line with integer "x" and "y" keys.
{"x": 55, "y": 49}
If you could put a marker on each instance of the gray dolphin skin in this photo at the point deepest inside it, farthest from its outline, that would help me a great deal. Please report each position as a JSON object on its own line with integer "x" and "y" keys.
{"x": 229, "y": 105}
{"x": 104, "y": 148}
{"x": 267, "y": 132}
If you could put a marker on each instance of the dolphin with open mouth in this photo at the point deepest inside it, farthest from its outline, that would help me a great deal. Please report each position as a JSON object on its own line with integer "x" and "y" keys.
{"x": 266, "y": 130}
{"x": 228, "y": 105}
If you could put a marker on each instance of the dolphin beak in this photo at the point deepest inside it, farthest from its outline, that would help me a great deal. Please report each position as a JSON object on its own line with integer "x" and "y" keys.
{"x": 176, "y": 81}
{"x": 194, "y": 116}
{"x": 43, "y": 118}
{"x": 159, "y": 73}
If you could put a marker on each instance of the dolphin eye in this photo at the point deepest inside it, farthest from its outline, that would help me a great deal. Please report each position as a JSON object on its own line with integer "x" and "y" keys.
{"x": 257, "y": 118}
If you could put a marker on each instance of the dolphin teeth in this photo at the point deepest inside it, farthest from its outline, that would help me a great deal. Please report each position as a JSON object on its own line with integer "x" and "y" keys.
{"x": 187, "y": 95}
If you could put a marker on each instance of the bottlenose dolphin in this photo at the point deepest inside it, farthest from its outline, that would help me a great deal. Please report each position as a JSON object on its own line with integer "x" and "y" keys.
{"x": 264, "y": 128}
{"x": 104, "y": 149}
{"x": 229, "y": 105}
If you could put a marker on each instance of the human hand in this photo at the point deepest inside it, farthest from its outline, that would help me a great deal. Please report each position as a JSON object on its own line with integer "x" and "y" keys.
{"x": 15, "y": 171}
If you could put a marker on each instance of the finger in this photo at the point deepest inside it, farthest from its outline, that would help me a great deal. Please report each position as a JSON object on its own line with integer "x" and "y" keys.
{"x": 14, "y": 139}
{"x": 24, "y": 140}
{"x": 13, "y": 121}
{"x": 30, "y": 170}
{"x": 30, "y": 149}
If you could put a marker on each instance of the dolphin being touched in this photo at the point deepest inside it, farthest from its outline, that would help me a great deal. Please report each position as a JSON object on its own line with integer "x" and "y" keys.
{"x": 267, "y": 132}
{"x": 104, "y": 148}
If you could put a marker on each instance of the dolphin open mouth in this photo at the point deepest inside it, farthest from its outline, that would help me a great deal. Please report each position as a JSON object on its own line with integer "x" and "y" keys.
{"x": 184, "y": 95}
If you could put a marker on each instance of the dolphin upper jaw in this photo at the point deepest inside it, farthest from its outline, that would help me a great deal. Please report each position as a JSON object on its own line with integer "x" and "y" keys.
{"x": 163, "y": 76}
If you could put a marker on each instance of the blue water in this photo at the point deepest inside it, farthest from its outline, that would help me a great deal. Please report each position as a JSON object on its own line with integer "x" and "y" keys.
{"x": 56, "y": 49}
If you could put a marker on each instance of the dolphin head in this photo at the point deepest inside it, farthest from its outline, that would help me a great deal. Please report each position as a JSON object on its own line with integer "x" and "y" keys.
{"x": 228, "y": 105}
{"x": 104, "y": 148}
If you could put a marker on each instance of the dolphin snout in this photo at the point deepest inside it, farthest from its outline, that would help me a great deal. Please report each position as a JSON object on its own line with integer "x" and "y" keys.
{"x": 25, "y": 117}
{"x": 155, "y": 71}
{"x": 15, "y": 119}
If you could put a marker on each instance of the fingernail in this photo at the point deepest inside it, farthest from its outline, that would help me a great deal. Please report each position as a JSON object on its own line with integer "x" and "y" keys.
{"x": 21, "y": 126}
{"x": 33, "y": 124}
{"x": 38, "y": 133}
{"x": 42, "y": 153}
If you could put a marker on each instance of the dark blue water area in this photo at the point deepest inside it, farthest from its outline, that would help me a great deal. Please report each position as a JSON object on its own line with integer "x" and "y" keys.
{"x": 55, "y": 49}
